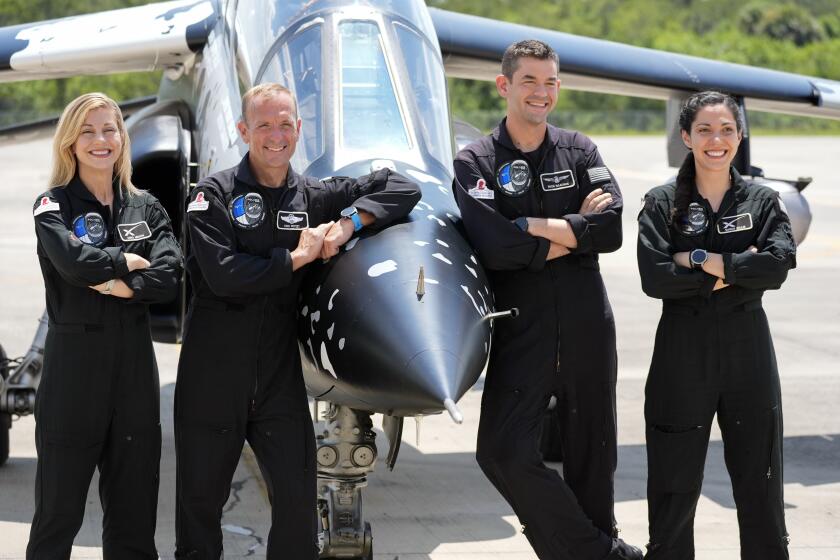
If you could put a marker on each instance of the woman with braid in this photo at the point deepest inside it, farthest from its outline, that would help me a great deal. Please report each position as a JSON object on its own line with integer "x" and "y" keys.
{"x": 709, "y": 245}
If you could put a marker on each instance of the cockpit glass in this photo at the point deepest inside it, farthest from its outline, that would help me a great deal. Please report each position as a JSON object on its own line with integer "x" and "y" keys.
{"x": 370, "y": 116}
{"x": 297, "y": 65}
{"x": 427, "y": 81}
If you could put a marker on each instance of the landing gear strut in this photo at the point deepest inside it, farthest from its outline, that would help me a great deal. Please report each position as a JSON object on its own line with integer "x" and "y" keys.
{"x": 346, "y": 454}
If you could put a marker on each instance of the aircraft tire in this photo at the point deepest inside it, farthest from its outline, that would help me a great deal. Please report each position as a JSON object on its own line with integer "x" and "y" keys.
{"x": 550, "y": 446}
{"x": 5, "y": 421}
{"x": 368, "y": 542}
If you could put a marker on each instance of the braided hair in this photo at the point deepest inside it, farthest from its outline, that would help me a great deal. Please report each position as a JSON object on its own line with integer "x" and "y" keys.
{"x": 687, "y": 172}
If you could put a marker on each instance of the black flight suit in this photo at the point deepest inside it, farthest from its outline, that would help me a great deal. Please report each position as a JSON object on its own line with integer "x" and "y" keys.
{"x": 239, "y": 376}
{"x": 562, "y": 343}
{"x": 713, "y": 354}
{"x": 98, "y": 400}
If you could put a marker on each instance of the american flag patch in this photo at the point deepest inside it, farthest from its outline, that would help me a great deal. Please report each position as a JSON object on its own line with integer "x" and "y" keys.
{"x": 599, "y": 175}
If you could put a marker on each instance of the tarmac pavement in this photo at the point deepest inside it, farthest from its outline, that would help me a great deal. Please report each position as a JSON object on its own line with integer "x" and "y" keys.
{"x": 436, "y": 505}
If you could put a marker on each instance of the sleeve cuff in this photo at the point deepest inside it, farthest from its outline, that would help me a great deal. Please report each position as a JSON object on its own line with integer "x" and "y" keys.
{"x": 579, "y": 227}
{"x": 284, "y": 257}
{"x": 708, "y": 285}
{"x": 376, "y": 210}
{"x": 728, "y": 268}
{"x": 136, "y": 282}
{"x": 538, "y": 260}
{"x": 118, "y": 259}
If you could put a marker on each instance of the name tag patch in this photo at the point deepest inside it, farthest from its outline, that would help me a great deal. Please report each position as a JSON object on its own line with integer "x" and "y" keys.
{"x": 46, "y": 205}
{"x": 557, "y": 181}
{"x": 134, "y": 232}
{"x": 481, "y": 191}
{"x": 732, "y": 224}
{"x": 199, "y": 204}
{"x": 292, "y": 220}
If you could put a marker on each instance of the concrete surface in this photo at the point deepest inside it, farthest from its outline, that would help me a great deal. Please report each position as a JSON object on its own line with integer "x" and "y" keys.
{"x": 436, "y": 505}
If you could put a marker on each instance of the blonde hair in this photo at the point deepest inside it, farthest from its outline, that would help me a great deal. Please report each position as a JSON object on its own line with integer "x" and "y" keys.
{"x": 268, "y": 89}
{"x": 64, "y": 164}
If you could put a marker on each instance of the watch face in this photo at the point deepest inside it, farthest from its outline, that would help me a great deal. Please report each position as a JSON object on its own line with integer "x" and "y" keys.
{"x": 347, "y": 212}
{"x": 698, "y": 256}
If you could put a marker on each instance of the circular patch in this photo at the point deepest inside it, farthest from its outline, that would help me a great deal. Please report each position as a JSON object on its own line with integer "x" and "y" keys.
{"x": 694, "y": 221}
{"x": 514, "y": 177}
{"x": 90, "y": 229}
{"x": 247, "y": 210}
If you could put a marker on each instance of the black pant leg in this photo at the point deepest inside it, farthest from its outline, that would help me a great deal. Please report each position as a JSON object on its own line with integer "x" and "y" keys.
{"x": 680, "y": 403}
{"x": 72, "y": 415}
{"x": 62, "y": 479}
{"x": 753, "y": 451}
{"x": 129, "y": 466}
{"x": 508, "y": 453}
{"x": 285, "y": 449}
{"x": 587, "y": 419}
{"x": 206, "y": 458}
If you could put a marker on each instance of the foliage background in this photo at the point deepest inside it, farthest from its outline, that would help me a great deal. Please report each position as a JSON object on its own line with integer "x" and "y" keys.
{"x": 801, "y": 37}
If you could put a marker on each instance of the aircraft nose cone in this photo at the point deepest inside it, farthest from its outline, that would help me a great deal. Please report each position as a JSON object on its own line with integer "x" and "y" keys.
{"x": 383, "y": 344}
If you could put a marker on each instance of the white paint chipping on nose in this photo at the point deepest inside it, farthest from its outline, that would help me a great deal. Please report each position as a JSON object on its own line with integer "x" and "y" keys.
{"x": 382, "y": 268}
{"x": 472, "y": 299}
{"x": 330, "y": 304}
{"x": 438, "y": 220}
{"x": 325, "y": 361}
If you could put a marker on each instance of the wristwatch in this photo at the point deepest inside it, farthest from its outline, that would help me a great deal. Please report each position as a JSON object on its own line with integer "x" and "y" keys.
{"x": 698, "y": 258}
{"x": 350, "y": 213}
{"x": 522, "y": 223}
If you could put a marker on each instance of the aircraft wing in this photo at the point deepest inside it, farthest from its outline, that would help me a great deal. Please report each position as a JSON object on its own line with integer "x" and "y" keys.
{"x": 143, "y": 38}
{"x": 472, "y": 48}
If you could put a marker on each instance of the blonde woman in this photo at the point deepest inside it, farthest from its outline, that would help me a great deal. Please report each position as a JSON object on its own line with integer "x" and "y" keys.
{"x": 106, "y": 251}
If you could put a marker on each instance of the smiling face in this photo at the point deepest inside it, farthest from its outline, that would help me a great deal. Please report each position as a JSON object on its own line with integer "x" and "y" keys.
{"x": 531, "y": 92}
{"x": 99, "y": 144}
{"x": 271, "y": 129}
{"x": 714, "y": 138}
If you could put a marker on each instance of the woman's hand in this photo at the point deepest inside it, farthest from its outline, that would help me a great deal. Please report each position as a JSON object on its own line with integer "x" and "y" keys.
{"x": 118, "y": 289}
{"x": 309, "y": 245}
{"x": 135, "y": 262}
{"x": 719, "y": 285}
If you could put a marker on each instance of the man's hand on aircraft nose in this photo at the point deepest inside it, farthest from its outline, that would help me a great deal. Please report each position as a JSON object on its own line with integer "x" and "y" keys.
{"x": 309, "y": 245}
{"x": 339, "y": 234}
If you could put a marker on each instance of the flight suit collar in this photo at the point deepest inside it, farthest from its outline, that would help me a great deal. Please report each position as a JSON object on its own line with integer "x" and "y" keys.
{"x": 736, "y": 193}
{"x": 244, "y": 174}
{"x": 79, "y": 190}
{"x": 501, "y": 135}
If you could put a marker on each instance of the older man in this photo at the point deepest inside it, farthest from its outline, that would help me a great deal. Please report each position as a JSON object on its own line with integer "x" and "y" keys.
{"x": 252, "y": 229}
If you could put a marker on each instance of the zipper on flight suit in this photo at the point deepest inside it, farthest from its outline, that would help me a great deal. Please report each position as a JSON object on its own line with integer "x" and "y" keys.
{"x": 273, "y": 214}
